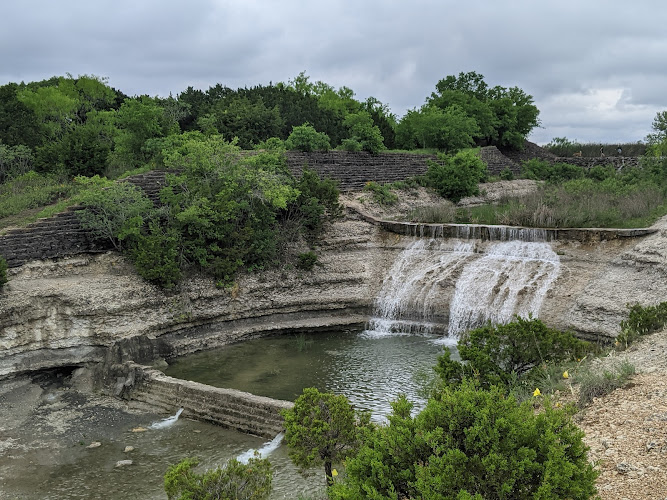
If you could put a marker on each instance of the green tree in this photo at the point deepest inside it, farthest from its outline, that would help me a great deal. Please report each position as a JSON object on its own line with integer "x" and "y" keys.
{"x": 364, "y": 132}
{"x": 19, "y": 124}
{"x": 504, "y": 116}
{"x": 114, "y": 213}
{"x": 497, "y": 355}
{"x": 455, "y": 177}
{"x": 322, "y": 428}
{"x": 137, "y": 121}
{"x": 14, "y": 161}
{"x": 306, "y": 138}
{"x": 471, "y": 444}
{"x": 225, "y": 206}
{"x": 234, "y": 481}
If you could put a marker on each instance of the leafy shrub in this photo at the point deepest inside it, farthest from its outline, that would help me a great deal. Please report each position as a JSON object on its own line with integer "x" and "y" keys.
{"x": 115, "y": 213}
{"x": 470, "y": 444}
{"x": 498, "y": 355}
{"x": 307, "y": 261}
{"x": 364, "y": 132}
{"x": 156, "y": 255}
{"x": 543, "y": 170}
{"x": 306, "y": 138}
{"x": 593, "y": 385}
{"x": 3, "y": 272}
{"x": 455, "y": 177}
{"x": 381, "y": 193}
{"x": 351, "y": 145}
{"x": 316, "y": 204}
{"x": 642, "y": 321}
{"x": 271, "y": 144}
{"x": 234, "y": 481}
{"x": 506, "y": 174}
{"x": 322, "y": 428}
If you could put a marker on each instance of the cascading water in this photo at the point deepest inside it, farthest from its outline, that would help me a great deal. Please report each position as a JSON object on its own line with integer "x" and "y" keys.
{"x": 405, "y": 302}
{"x": 262, "y": 452}
{"x": 493, "y": 281}
{"x": 512, "y": 278}
{"x": 166, "y": 422}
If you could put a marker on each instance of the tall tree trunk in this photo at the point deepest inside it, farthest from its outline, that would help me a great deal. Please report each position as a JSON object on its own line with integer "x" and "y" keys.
{"x": 327, "y": 471}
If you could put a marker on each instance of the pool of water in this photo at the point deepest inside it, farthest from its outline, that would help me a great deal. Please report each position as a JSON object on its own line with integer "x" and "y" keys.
{"x": 369, "y": 368}
{"x": 46, "y": 431}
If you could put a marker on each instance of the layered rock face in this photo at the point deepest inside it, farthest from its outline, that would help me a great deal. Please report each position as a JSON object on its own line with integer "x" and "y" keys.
{"x": 71, "y": 311}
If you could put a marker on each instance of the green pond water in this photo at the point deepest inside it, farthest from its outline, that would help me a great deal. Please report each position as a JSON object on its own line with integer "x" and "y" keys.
{"x": 371, "y": 369}
{"x": 40, "y": 457}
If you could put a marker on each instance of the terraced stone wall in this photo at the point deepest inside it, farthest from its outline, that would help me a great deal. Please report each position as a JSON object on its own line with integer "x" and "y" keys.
{"x": 226, "y": 407}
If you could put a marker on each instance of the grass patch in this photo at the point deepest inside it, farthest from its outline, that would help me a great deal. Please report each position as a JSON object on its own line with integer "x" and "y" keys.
{"x": 34, "y": 196}
{"x": 381, "y": 193}
{"x": 593, "y": 385}
{"x": 443, "y": 213}
{"x": 578, "y": 203}
{"x": 32, "y": 190}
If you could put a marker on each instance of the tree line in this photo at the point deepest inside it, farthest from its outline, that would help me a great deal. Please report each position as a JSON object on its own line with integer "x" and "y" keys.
{"x": 83, "y": 126}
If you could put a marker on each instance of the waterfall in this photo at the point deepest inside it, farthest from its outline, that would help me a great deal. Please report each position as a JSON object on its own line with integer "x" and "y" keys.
{"x": 166, "y": 422}
{"x": 405, "y": 301}
{"x": 512, "y": 278}
{"x": 508, "y": 274}
{"x": 262, "y": 452}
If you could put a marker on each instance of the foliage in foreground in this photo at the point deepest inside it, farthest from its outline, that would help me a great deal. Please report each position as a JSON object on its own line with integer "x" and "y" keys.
{"x": 322, "y": 428}
{"x": 501, "y": 354}
{"x": 234, "y": 481}
{"x": 471, "y": 444}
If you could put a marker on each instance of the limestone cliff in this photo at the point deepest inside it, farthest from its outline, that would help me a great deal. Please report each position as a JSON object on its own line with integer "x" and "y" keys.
{"x": 70, "y": 311}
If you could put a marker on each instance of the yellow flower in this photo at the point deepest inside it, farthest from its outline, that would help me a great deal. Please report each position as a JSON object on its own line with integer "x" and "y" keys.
{"x": 537, "y": 393}
{"x": 565, "y": 374}
{"x": 334, "y": 472}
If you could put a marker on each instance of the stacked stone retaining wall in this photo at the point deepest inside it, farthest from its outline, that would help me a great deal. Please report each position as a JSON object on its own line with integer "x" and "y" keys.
{"x": 354, "y": 169}
{"x": 226, "y": 407}
{"x": 50, "y": 238}
{"x": 618, "y": 162}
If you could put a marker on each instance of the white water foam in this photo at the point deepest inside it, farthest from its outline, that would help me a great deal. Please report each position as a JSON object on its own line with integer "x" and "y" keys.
{"x": 512, "y": 278}
{"x": 405, "y": 302}
{"x": 166, "y": 422}
{"x": 262, "y": 452}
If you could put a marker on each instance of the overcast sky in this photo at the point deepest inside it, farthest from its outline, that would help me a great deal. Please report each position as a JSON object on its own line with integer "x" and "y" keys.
{"x": 597, "y": 69}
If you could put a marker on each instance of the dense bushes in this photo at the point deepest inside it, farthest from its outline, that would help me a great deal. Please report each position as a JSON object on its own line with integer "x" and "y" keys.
{"x": 470, "y": 444}
{"x": 234, "y": 481}
{"x": 221, "y": 213}
{"x": 642, "y": 321}
{"x": 306, "y": 138}
{"x": 455, "y": 177}
{"x": 501, "y": 354}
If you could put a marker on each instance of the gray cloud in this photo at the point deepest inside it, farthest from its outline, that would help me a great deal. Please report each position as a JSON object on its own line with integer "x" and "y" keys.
{"x": 595, "y": 68}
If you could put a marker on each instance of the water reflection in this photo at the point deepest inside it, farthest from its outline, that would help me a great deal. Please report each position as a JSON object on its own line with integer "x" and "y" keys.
{"x": 370, "y": 369}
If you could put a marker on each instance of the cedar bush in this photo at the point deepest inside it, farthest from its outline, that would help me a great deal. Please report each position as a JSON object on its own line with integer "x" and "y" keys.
{"x": 470, "y": 443}
{"x": 234, "y": 481}
{"x": 501, "y": 354}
